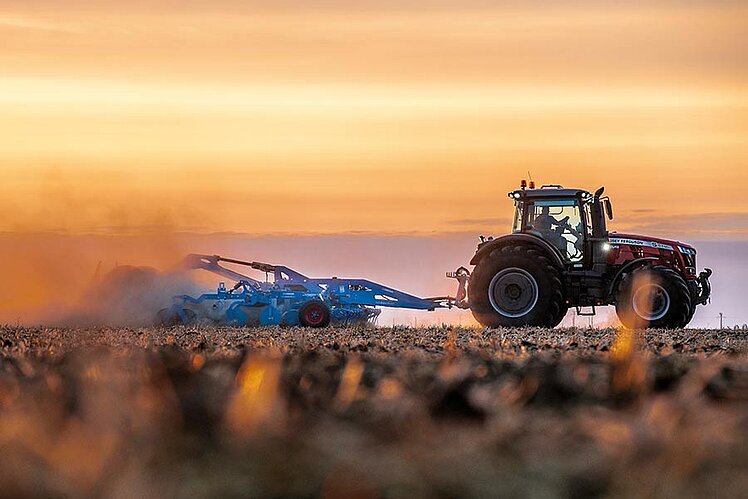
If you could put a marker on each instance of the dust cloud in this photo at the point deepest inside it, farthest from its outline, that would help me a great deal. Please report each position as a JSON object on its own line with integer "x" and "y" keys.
{"x": 127, "y": 296}
{"x": 88, "y": 280}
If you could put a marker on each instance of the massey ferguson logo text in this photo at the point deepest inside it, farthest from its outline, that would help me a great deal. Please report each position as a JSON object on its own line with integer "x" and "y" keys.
{"x": 637, "y": 242}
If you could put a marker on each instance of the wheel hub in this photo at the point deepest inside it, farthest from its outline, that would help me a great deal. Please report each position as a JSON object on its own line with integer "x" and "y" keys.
{"x": 513, "y": 292}
{"x": 651, "y": 302}
{"x": 314, "y": 315}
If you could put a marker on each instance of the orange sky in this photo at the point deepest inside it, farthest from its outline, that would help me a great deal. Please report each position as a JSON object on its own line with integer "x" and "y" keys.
{"x": 388, "y": 117}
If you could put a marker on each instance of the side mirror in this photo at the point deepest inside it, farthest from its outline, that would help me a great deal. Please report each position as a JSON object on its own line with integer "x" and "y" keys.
{"x": 608, "y": 208}
{"x": 599, "y": 192}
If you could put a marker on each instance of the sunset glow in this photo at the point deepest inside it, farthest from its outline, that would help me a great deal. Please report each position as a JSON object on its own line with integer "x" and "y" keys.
{"x": 385, "y": 118}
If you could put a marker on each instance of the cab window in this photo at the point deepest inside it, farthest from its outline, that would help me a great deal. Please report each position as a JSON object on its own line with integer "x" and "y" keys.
{"x": 517, "y": 225}
{"x": 560, "y": 223}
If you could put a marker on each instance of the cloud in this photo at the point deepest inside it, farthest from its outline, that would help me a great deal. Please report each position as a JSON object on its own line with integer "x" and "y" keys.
{"x": 390, "y": 41}
{"x": 502, "y": 222}
{"x": 33, "y": 23}
{"x": 698, "y": 225}
{"x": 244, "y": 5}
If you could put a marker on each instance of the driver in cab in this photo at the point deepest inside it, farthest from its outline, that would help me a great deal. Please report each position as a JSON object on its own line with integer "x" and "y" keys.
{"x": 552, "y": 229}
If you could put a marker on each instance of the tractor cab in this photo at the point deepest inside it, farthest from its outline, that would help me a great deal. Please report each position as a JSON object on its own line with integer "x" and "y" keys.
{"x": 571, "y": 221}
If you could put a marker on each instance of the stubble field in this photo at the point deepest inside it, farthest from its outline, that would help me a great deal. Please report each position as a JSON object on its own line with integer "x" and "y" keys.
{"x": 386, "y": 412}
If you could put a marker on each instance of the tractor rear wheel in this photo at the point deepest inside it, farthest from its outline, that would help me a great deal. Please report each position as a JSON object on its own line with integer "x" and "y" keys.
{"x": 516, "y": 286}
{"x": 561, "y": 314}
{"x": 653, "y": 297}
{"x": 314, "y": 313}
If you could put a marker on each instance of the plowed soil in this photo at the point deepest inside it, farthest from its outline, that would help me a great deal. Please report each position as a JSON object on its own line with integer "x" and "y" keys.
{"x": 387, "y": 412}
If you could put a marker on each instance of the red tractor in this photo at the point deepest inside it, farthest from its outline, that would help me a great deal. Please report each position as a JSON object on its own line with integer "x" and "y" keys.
{"x": 561, "y": 255}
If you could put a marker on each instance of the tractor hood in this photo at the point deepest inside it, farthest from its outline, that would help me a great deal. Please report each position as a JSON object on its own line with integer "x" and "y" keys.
{"x": 618, "y": 238}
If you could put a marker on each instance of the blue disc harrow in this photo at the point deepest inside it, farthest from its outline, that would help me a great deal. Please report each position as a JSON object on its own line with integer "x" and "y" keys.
{"x": 287, "y": 297}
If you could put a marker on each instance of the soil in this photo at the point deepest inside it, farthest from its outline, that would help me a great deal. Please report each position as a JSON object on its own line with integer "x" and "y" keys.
{"x": 385, "y": 412}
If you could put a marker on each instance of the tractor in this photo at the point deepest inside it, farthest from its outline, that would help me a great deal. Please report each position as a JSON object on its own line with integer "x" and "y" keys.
{"x": 561, "y": 255}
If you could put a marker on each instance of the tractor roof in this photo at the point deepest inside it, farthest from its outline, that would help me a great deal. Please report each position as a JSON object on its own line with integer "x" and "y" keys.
{"x": 548, "y": 192}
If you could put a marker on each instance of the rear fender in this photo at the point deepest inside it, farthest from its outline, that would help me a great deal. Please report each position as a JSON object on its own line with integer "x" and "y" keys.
{"x": 512, "y": 239}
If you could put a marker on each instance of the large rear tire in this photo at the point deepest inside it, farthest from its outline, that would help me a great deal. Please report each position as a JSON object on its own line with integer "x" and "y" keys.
{"x": 516, "y": 286}
{"x": 654, "y": 297}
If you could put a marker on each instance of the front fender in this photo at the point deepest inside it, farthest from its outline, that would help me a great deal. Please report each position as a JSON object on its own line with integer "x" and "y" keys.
{"x": 633, "y": 264}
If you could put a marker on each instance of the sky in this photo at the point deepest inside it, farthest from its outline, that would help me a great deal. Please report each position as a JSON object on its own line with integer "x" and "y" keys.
{"x": 370, "y": 118}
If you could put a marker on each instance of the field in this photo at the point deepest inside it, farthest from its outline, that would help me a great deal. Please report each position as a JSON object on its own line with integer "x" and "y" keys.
{"x": 387, "y": 412}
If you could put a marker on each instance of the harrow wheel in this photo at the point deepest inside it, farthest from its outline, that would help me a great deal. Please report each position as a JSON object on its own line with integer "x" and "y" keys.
{"x": 654, "y": 297}
{"x": 314, "y": 313}
{"x": 516, "y": 285}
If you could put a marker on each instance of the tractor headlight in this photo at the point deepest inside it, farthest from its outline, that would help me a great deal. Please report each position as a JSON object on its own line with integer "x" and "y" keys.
{"x": 606, "y": 246}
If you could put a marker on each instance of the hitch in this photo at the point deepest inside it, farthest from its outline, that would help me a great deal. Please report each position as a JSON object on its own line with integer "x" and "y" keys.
{"x": 462, "y": 275}
{"x": 706, "y": 287}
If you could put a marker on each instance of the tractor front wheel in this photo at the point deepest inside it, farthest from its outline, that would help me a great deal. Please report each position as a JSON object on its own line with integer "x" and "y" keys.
{"x": 516, "y": 286}
{"x": 653, "y": 297}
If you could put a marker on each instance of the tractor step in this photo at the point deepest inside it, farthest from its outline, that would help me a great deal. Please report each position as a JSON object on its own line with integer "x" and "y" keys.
{"x": 586, "y": 314}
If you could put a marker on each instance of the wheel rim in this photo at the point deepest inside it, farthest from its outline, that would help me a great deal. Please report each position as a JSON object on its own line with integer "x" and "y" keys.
{"x": 513, "y": 292}
{"x": 314, "y": 315}
{"x": 651, "y": 302}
